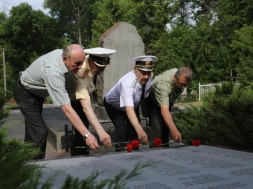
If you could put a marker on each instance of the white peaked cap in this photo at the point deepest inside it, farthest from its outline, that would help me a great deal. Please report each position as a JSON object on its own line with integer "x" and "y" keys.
{"x": 145, "y": 63}
{"x": 100, "y": 52}
{"x": 145, "y": 58}
{"x": 100, "y": 55}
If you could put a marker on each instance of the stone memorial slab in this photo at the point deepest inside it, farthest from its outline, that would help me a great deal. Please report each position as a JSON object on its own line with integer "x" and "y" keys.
{"x": 190, "y": 167}
{"x": 125, "y": 39}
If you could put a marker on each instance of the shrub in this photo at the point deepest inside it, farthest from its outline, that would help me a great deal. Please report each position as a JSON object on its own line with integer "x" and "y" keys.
{"x": 226, "y": 118}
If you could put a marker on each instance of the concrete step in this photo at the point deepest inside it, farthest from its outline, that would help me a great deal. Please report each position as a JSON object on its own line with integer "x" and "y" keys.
{"x": 61, "y": 131}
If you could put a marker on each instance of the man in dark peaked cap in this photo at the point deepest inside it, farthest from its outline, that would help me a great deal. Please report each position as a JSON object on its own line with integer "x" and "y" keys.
{"x": 123, "y": 100}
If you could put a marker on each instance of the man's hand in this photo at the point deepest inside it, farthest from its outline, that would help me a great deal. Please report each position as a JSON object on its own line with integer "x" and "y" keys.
{"x": 142, "y": 136}
{"x": 167, "y": 117}
{"x": 176, "y": 135}
{"x": 105, "y": 139}
{"x": 91, "y": 142}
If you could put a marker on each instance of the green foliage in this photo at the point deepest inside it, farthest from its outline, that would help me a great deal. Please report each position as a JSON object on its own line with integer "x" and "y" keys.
{"x": 198, "y": 34}
{"x": 74, "y": 19}
{"x": 224, "y": 119}
{"x": 15, "y": 172}
{"x": 234, "y": 14}
{"x": 242, "y": 45}
{"x": 149, "y": 18}
{"x": 177, "y": 42}
{"x": 4, "y": 112}
{"x": 108, "y": 13}
{"x": 26, "y": 35}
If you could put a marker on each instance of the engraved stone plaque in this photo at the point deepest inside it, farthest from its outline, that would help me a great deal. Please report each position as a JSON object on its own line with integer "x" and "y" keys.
{"x": 190, "y": 167}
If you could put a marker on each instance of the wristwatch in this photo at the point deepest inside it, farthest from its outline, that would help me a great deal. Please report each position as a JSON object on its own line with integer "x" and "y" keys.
{"x": 86, "y": 135}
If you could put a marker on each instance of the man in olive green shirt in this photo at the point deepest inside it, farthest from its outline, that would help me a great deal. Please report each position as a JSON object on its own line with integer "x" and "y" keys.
{"x": 165, "y": 88}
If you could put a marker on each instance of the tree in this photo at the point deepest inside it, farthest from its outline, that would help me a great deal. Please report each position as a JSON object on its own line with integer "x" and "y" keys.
{"x": 26, "y": 35}
{"x": 74, "y": 18}
{"x": 149, "y": 18}
{"x": 242, "y": 46}
{"x": 175, "y": 49}
{"x": 108, "y": 13}
{"x": 151, "y": 21}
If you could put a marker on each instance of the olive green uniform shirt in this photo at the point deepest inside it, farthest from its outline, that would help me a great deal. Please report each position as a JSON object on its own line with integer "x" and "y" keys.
{"x": 163, "y": 88}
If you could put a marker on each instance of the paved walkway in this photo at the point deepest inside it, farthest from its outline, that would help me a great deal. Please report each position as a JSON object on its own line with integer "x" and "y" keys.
{"x": 16, "y": 127}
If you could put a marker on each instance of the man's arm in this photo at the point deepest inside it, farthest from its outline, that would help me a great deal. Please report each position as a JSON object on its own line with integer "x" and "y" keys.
{"x": 91, "y": 141}
{"x": 134, "y": 121}
{"x": 89, "y": 112}
{"x": 167, "y": 117}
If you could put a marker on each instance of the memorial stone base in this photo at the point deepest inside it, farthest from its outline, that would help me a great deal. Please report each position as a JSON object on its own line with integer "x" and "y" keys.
{"x": 178, "y": 167}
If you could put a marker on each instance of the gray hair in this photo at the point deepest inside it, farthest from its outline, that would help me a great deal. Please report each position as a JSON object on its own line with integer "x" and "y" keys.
{"x": 186, "y": 71}
{"x": 68, "y": 49}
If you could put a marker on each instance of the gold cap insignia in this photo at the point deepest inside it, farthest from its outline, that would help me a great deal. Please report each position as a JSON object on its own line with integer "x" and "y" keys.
{"x": 148, "y": 63}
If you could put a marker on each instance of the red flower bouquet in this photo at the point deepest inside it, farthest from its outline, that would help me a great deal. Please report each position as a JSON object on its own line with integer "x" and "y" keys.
{"x": 135, "y": 144}
{"x": 196, "y": 142}
{"x": 129, "y": 147}
{"x": 157, "y": 142}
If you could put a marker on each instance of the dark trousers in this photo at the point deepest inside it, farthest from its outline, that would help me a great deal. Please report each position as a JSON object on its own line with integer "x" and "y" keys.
{"x": 124, "y": 131}
{"x": 157, "y": 127}
{"x": 78, "y": 146}
{"x": 31, "y": 107}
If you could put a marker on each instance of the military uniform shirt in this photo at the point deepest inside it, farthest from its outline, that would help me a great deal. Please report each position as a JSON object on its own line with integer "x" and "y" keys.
{"x": 127, "y": 92}
{"x": 46, "y": 76}
{"x": 163, "y": 88}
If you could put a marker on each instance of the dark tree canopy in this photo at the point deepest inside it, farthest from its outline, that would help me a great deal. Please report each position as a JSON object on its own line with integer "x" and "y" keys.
{"x": 210, "y": 36}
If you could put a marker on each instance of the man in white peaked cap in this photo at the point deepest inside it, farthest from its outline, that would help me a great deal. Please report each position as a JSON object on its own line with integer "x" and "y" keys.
{"x": 79, "y": 87}
{"x": 122, "y": 102}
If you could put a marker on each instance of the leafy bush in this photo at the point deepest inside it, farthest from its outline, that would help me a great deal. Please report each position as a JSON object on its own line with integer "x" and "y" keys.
{"x": 4, "y": 112}
{"x": 226, "y": 118}
{"x": 15, "y": 171}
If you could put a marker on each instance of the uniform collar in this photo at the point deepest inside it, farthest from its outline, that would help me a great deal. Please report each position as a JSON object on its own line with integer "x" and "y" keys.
{"x": 87, "y": 67}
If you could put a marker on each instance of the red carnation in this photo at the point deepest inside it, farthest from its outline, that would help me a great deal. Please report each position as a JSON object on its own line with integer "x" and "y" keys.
{"x": 135, "y": 144}
{"x": 196, "y": 142}
{"x": 157, "y": 142}
{"x": 129, "y": 147}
